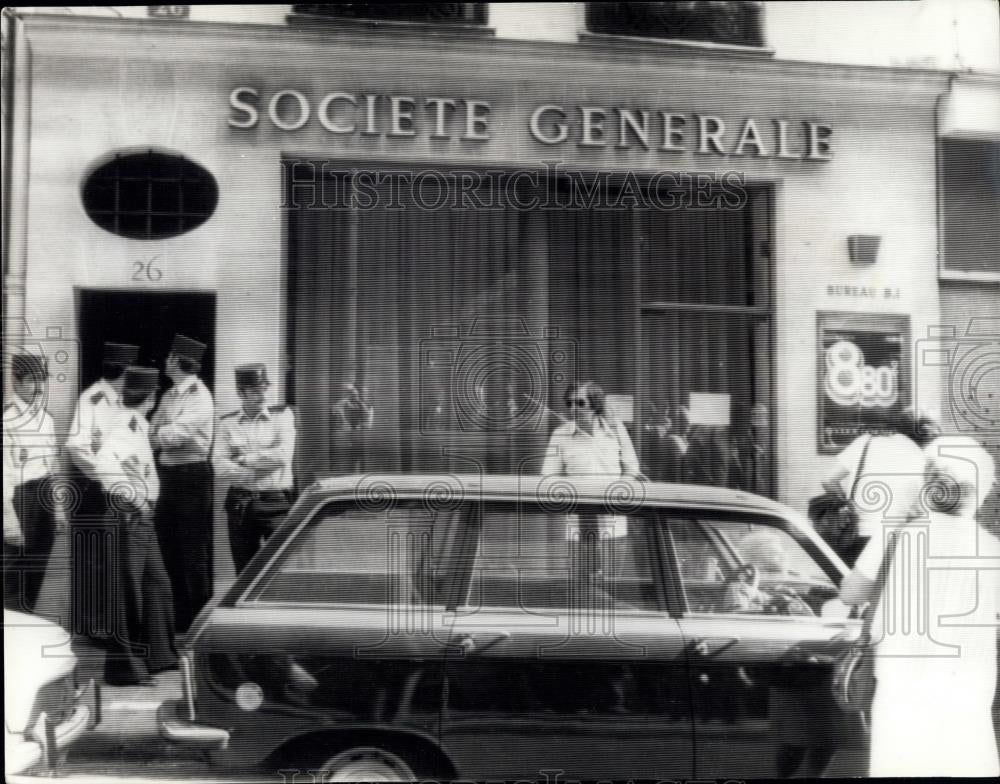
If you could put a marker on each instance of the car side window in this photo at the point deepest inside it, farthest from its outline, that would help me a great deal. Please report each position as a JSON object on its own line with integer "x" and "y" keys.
{"x": 363, "y": 556}
{"x": 732, "y": 566}
{"x": 546, "y": 561}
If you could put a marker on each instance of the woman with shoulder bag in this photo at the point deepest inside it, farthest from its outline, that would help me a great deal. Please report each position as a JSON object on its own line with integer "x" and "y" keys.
{"x": 885, "y": 473}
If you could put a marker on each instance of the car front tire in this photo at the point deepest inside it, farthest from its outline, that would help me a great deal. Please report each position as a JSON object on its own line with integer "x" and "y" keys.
{"x": 366, "y": 763}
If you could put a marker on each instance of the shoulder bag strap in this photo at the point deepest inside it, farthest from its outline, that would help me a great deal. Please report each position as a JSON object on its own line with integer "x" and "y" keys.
{"x": 883, "y": 572}
{"x": 861, "y": 467}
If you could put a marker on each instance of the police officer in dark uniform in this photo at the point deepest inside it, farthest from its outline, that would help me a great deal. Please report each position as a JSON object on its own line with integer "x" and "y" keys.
{"x": 96, "y": 411}
{"x": 144, "y": 612}
{"x": 181, "y": 434}
{"x": 253, "y": 450}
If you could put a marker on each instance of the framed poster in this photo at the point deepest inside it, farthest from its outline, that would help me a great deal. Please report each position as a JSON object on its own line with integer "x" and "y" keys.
{"x": 863, "y": 375}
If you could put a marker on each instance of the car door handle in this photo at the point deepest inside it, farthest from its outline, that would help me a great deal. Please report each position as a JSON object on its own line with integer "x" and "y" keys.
{"x": 713, "y": 646}
{"x": 470, "y": 645}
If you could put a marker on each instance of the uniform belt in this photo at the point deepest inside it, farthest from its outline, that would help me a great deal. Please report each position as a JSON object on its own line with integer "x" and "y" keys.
{"x": 259, "y": 495}
{"x": 198, "y": 465}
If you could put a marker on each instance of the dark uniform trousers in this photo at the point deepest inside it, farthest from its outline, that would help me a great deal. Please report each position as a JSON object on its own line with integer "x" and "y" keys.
{"x": 184, "y": 530}
{"x": 143, "y": 609}
{"x": 253, "y": 516}
{"x": 92, "y": 551}
{"x": 24, "y": 565}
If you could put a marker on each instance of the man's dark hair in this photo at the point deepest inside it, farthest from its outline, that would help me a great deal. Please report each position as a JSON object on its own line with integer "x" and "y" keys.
{"x": 592, "y": 392}
{"x": 112, "y": 371}
{"x": 189, "y": 365}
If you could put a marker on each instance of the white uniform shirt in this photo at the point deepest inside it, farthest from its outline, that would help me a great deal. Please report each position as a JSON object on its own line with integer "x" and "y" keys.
{"x": 891, "y": 479}
{"x": 182, "y": 425}
{"x": 30, "y": 446}
{"x": 269, "y": 436}
{"x": 935, "y": 633}
{"x": 126, "y": 457}
{"x": 96, "y": 413}
{"x": 572, "y": 451}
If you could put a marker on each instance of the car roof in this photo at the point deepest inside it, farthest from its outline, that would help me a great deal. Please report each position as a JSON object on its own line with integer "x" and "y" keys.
{"x": 555, "y": 489}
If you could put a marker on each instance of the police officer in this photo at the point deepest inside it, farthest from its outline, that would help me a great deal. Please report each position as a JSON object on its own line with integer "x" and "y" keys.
{"x": 144, "y": 613}
{"x": 181, "y": 433}
{"x": 96, "y": 411}
{"x": 254, "y": 451}
{"x": 30, "y": 454}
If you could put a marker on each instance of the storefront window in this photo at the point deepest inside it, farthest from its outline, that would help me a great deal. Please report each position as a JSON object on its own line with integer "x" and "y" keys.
{"x": 435, "y": 326}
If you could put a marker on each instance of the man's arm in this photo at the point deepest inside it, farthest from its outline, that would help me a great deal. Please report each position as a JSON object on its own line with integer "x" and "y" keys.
{"x": 281, "y": 454}
{"x": 630, "y": 462}
{"x": 83, "y": 443}
{"x": 11, "y": 525}
{"x": 554, "y": 463}
{"x": 859, "y": 586}
{"x": 192, "y": 427}
{"x": 224, "y": 461}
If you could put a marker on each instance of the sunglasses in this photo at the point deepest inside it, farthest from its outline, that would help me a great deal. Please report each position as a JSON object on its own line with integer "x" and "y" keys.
{"x": 579, "y": 402}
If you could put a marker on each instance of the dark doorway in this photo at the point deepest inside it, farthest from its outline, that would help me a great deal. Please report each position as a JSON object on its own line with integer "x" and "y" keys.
{"x": 147, "y": 319}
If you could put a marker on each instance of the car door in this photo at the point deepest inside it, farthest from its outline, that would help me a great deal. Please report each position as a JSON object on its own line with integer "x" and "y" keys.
{"x": 763, "y": 625}
{"x": 343, "y": 625}
{"x": 564, "y": 657}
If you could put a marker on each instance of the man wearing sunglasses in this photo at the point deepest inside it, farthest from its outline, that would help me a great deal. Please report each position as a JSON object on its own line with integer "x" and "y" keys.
{"x": 590, "y": 442}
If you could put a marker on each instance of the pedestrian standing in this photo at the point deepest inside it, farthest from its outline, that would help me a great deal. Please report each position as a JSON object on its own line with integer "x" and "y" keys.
{"x": 96, "y": 410}
{"x": 30, "y": 454}
{"x": 143, "y": 605}
{"x": 181, "y": 434}
{"x": 253, "y": 451}
{"x": 590, "y": 442}
{"x": 934, "y": 629}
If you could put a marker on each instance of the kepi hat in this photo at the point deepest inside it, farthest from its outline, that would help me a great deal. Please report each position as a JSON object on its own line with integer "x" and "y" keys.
{"x": 251, "y": 375}
{"x": 120, "y": 353}
{"x": 188, "y": 348}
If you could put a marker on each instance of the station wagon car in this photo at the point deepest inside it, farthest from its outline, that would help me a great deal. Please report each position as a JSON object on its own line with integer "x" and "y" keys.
{"x": 45, "y": 709}
{"x": 442, "y": 627}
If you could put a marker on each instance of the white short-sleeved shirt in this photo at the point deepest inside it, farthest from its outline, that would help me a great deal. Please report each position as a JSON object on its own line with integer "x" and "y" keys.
{"x": 891, "y": 479}
{"x": 574, "y": 452}
{"x": 935, "y": 633}
{"x": 933, "y": 582}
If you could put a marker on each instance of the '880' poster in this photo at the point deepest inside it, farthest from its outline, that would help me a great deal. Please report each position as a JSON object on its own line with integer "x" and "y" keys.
{"x": 863, "y": 375}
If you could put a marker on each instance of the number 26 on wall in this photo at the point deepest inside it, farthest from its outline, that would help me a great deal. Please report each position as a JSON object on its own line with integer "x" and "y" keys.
{"x": 146, "y": 270}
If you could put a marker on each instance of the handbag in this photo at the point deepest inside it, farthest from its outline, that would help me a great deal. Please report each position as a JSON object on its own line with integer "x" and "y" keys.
{"x": 834, "y": 518}
{"x": 854, "y": 669}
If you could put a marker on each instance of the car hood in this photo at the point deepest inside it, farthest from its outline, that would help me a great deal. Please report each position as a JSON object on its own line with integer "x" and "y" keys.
{"x": 35, "y": 652}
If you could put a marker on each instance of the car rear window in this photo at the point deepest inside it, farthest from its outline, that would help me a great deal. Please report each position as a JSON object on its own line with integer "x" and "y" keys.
{"x": 365, "y": 556}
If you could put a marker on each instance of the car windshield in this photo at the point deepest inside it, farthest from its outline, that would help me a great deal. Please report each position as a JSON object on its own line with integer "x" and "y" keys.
{"x": 364, "y": 556}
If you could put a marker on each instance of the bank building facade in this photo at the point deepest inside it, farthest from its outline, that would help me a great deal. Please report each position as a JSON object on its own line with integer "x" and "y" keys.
{"x": 749, "y": 217}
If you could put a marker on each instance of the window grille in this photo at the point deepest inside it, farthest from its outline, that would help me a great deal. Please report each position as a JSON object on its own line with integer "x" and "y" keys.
{"x": 737, "y": 23}
{"x": 150, "y": 195}
{"x": 435, "y": 13}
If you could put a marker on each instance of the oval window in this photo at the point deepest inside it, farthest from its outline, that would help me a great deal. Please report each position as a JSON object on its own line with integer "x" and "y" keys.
{"x": 150, "y": 195}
